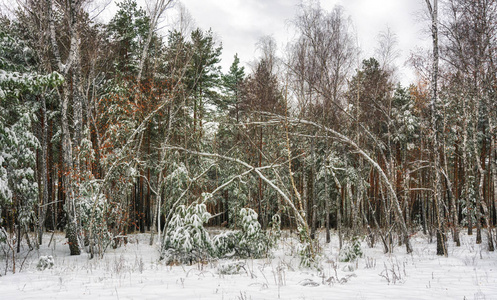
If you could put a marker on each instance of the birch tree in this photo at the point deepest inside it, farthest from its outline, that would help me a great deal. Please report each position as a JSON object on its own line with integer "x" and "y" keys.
{"x": 437, "y": 188}
{"x": 156, "y": 10}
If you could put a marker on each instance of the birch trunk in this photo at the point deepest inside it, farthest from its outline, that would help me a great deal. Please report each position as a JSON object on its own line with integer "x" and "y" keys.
{"x": 441, "y": 238}
{"x": 77, "y": 88}
{"x": 155, "y": 13}
{"x": 480, "y": 200}
{"x": 67, "y": 152}
{"x": 469, "y": 212}
{"x": 407, "y": 177}
{"x": 70, "y": 205}
{"x": 155, "y": 208}
{"x": 452, "y": 201}
{"x": 314, "y": 192}
{"x": 327, "y": 207}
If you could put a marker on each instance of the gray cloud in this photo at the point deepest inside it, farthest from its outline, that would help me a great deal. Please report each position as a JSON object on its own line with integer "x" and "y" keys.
{"x": 239, "y": 24}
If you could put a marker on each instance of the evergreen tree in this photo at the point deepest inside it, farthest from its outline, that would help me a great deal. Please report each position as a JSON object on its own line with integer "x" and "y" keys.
{"x": 203, "y": 75}
{"x": 20, "y": 86}
{"x": 232, "y": 82}
{"x": 127, "y": 31}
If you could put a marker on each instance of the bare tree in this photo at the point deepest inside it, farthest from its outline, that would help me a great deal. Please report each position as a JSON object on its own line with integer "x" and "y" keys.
{"x": 387, "y": 51}
{"x": 318, "y": 65}
{"x": 469, "y": 32}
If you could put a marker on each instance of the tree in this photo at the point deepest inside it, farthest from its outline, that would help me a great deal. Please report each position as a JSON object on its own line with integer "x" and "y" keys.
{"x": 20, "y": 88}
{"x": 155, "y": 9}
{"x": 319, "y": 64}
{"x": 260, "y": 93}
{"x": 232, "y": 82}
{"x": 129, "y": 31}
{"x": 437, "y": 189}
{"x": 370, "y": 92}
{"x": 469, "y": 51}
{"x": 203, "y": 74}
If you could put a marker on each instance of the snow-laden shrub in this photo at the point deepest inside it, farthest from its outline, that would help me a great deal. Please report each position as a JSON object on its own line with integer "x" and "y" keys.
{"x": 45, "y": 262}
{"x": 275, "y": 233}
{"x": 305, "y": 250}
{"x": 5, "y": 192}
{"x": 93, "y": 213}
{"x": 250, "y": 241}
{"x": 186, "y": 240}
{"x": 305, "y": 254}
{"x": 231, "y": 268}
{"x": 3, "y": 236}
{"x": 17, "y": 164}
{"x": 96, "y": 216}
{"x": 351, "y": 251}
{"x": 226, "y": 243}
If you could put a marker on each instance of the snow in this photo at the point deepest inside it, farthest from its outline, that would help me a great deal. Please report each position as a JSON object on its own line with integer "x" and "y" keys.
{"x": 134, "y": 272}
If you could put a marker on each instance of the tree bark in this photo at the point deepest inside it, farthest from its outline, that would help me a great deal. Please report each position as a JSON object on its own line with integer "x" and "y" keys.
{"x": 493, "y": 165}
{"x": 465, "y": 161}
{"x": 155, "y": 13}
{"x": 70, "y": 205}
{"x": 441, "y": 237}
{"x": 44, "y": 171}
{"x": 67, "y": 153}
{"x": 480, "y": 200}
{"x": 313, "y": 203}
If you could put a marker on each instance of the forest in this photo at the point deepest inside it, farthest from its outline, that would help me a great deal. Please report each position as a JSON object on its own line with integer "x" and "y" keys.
{"x": 110, "y": 129}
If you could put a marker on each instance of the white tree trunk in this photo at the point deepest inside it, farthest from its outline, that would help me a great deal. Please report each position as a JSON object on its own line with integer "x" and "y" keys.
{"x": 437, "y": 191}
{"x": 155, "y": 13}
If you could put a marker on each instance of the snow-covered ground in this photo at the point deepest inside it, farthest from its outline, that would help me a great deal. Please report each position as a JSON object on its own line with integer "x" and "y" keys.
{"x": 134, "y": 272}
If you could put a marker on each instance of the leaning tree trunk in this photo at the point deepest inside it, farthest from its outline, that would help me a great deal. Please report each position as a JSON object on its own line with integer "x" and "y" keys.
{"x": 481, "y": 204}
{"x": 155, "y": 14}
{"x": 388, "y": 184}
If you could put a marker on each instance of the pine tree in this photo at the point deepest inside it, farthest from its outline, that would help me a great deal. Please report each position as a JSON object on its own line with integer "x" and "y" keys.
{"x": 203, "y": 75}
{"x": 19, "y": 87}
{"x": 232, "y": 84}
{"x": 127, "y": 32}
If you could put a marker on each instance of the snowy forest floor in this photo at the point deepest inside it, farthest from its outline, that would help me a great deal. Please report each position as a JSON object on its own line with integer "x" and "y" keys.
{"x": 134, "y": 272}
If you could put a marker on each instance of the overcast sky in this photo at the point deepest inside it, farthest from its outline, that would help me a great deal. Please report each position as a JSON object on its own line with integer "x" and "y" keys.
{"x": 239, "y": 24}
